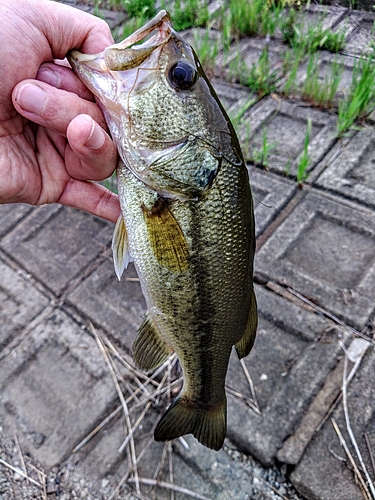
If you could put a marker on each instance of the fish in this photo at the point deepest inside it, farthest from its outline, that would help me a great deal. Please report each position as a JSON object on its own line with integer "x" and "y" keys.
{"x": 187, "y": 218}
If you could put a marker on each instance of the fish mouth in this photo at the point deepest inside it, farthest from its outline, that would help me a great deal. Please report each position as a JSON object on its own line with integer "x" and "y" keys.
{"x": 161, "y": 23}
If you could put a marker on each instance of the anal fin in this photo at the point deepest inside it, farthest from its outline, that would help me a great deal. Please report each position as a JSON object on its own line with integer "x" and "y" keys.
{"x": 149, "y": 349}
{"x": 246, "y": 342}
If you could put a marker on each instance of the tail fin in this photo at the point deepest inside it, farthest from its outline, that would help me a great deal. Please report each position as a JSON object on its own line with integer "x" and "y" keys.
{"x": 207, "y": 425}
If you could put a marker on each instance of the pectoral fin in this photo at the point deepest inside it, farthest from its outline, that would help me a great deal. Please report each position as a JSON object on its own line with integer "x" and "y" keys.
{"x": 244, "y": 345}
{"x": 120, "y": 247}
{"x": 149, "y": 349}
{"x": 166, "y": 237}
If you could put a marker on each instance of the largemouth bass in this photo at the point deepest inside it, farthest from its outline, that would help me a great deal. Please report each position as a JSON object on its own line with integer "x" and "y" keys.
{"x": 187, "y": 217}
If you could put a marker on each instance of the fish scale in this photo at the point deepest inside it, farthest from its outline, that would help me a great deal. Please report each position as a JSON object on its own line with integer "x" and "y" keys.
{"x": 187, "y": 217}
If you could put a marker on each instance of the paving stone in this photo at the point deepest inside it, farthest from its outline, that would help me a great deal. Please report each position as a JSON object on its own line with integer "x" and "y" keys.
{"x": 294, "y": 352}
{"x": 117, "y": 306}
{"x": 361, "y": 35}
{"x": 285, "y": 125}
{"x": 332, "y": 479}
{"x": 325, "y": 250}
{"x": 11, "y": 214}
{"x": 55, "y": 243}
{"x": 325, "y": 67}
{"x": 233, "y": 97}
{"x": 352, "y": 172}
{"x": 20, "y": 302}
{"x": 270, "y": 195}
{"x": 54, "y": 387}
{"x": 324, "y": 15}
{"x": 198, "y": 469}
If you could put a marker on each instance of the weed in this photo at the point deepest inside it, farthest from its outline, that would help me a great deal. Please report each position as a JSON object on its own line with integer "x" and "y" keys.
{"x": 360, "y": 100}
{"x": 257, "y": 17}
{"x": 191, "y": 13}
{"x": 261, "y": 156}
{"x": 314, "y": 38}
{"x": 207, "y": 50}
{"x": 291, "y": 63}
{"x": 261, "y": 80}
{"x": 136, "y": 8}
{"x": 304, "y": 161}
{"x": 321, "y": 94}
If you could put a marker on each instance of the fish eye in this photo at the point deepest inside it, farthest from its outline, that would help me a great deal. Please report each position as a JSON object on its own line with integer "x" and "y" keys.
{"x": 182, "y": 75}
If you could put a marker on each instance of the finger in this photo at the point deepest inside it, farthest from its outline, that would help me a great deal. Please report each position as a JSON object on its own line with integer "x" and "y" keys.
{"x": 92, "y": 154}
{"x": 50, "y": 107}
{"x": 63, "y": 78}
{"x": 66, "y": 28}
{"x": 92, "y": 198}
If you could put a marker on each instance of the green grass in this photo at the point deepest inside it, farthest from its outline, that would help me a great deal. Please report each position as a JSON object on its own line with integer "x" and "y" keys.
{"x": 188, "y": 14}
{"x": 314, "y": 38}
{"x": 320, "y": 93}
{"x": 256, "y": 17}
{"x": 207, "y": 50}
{"x": 261, "y": 156}
{"x": 305, "y": 160}
{"x": 143, "y": 8}
{"x": 260, "y": 78}
{"x": 360, "y": 100}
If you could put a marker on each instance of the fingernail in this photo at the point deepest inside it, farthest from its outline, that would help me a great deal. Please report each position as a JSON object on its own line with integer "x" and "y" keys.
{"x": 49, "y": 76}
{"x": 31, "y": 98}
{"x": 96, "y": 138}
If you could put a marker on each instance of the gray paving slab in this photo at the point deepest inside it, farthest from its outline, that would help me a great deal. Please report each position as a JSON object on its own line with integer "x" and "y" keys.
{"x": 270, "y": 194}
{"x": 327, "y": 62}
{"x": 233, "y": 97}
{"x": 352, "y": 172}
{"x": 20, "y": 302}
{"x": 327, "y": 16}
{"x": 285, "y": 125}
{"x": 322, "y": 474}
{"x": 218, "y": 476}
{"x": 361, "y": 35}
{"x": 55, "y": 243}
{"x": 117, "y": 306}
{"x": 288, "y": 366}
{"x": 53, "y": 389}
{"x": 11, "y": 214}
{"x": 325, "y": 250}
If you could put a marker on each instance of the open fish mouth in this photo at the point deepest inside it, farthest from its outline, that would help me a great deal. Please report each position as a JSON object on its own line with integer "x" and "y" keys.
{"x": 127, "y": 55}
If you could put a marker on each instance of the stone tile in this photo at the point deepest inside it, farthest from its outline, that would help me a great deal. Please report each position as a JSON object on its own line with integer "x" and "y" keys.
{"x": 325, "y": 66}
{"x": 233, "y": 97}
{"x": 11, "y": 214}
{"x": 270, "y": 195}
{"x": 361, "y": 35}
{"x": 285, "y": 126}
{"x": 54, "y": 387}
{"x": 198, "y": 469}
{"x": 327, "y": 16}
{"x": 333, "y": 479}
{"x": 20, "y": 302}
{"x": 116, "y": 306}
{"x": 55, "y": 243}
{"x": 325, "y": 250}
{"x": 247, "y": 52}
{"x": 294, "y": 352}
{"x": 352, "y": 172}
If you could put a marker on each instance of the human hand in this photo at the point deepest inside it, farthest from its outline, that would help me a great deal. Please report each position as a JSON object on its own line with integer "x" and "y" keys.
{"x": 52, "y": 134}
